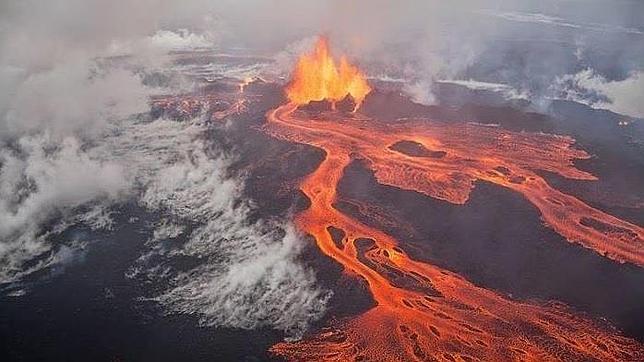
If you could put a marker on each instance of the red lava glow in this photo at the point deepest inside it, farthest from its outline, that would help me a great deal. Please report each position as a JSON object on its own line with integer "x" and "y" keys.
{"x": 442, "y": 315}
{"x": 316, "y": 77}
{"x": 436, "y": 314}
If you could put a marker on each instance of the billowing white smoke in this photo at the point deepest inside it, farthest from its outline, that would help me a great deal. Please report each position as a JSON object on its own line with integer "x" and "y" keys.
{"x": 72, "y": 99}
{"x": 48, "y": 122}
{"x": 58, "y": 96}
{"x": 248, "y": 274}
{"x": 69, "y": 150}
{"x": 588, "y": 87}
{"x": 40, "y": 179}
{"x": 180, "y": 40}
{"x": 245, "y": 274}
{"x": 64, "y": 145}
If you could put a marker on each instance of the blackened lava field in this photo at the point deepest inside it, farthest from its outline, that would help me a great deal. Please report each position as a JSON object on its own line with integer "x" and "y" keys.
{"x": 441, "y": 236}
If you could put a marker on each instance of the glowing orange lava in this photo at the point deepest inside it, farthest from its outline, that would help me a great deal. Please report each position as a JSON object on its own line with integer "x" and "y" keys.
{"x": 316, "y": 77}
{"x": 424, "y": 312}
{"x": 437, "y": 314}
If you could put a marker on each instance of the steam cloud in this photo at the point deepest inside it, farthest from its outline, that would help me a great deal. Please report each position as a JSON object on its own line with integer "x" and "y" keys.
{"x": 588, "y": 87}
{"x": 249, "y": 275}
{"x": 72, "y": 74}
{"x": 73, "y": 71}
{"x": 525, "y": 46}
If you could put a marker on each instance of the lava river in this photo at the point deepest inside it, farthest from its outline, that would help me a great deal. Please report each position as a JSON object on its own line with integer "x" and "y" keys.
{"x": 424, "y": 312}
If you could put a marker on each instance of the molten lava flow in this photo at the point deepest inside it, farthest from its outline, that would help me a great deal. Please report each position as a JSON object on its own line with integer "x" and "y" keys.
{"x": 316, "y": 77}
{"x": 424, "y": 312}
{"x": 436, "y": 314}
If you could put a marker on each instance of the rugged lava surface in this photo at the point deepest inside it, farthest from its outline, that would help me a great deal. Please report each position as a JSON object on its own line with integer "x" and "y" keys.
{"x": 423, "y": 311}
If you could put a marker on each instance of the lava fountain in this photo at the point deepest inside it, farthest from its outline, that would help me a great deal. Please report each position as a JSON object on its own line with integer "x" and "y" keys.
{"x": 317, "y": 77}
{"x": 422, "y": 311}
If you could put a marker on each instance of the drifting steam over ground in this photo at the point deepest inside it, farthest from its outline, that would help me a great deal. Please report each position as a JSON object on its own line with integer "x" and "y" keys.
{"x": 213, "y": 180}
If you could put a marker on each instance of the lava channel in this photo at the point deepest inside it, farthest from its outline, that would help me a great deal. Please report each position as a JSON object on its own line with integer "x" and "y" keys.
{"x": 443, "y": 316}
{"x": 436, "y": 314}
